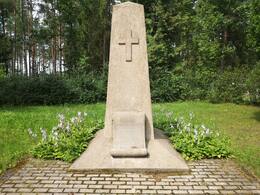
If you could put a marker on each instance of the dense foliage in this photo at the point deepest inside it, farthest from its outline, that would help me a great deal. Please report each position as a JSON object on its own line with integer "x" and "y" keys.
{"x": 67, "y": 140}
{"x": 52, "y": 90}
{"x": 239, "y": 85}
{"x": 194, "y": 141}
{"x": 204, "y": 49}
{"x": 70, "y": 138}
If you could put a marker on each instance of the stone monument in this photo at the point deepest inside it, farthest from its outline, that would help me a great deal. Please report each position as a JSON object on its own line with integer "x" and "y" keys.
{"x": 129, "y": 142}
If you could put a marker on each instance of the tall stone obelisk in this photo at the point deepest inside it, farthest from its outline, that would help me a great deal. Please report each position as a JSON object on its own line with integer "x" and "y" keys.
{"x": 129, "y": 141}
{"x": 128, "y": 94}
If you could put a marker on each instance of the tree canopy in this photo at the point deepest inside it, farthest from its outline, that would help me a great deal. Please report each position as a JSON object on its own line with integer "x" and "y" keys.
{"x": 196, "y": 48}
{"x": 55, "y": 36}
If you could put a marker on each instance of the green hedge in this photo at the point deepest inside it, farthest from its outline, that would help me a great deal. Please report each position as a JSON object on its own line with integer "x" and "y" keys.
{"x": 50, "y": 90}
{"x": 233, "y": 85}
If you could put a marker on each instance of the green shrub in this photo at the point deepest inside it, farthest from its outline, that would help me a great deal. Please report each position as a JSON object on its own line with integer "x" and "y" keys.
{"x": 182, "y": 84}
{"x": 70, "y": 138}
{"x": 167, "y": 88}
{"x": 253, "y": 84}
{"x": 198, "y": 82}
{"x": 229, "y": 86}
{"x": 35, "y": 91}
{"x": 2, "y": 73}
{"x": 194, "y": 141}
{"x": 67, "y": 140}
{"x": 237, "y": 85}
{"x": 51, "y": 90}
{"x": 91, "y": 88}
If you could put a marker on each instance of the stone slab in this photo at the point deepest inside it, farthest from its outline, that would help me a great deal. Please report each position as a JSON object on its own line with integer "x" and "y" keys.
{"x": 128, "y": 134}
{"x": 162, "y": 157}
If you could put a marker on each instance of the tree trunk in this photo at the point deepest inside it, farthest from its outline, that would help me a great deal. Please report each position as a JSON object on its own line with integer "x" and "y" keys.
{"x": 34, "y": 68}
{"x": 54, "y": 55}
{"x": 225, "y": 39}
{"x": 15, "y": 37}
{"x": 43, "y": 60}
{"x": 30, "y": 38}
{"x": 24, "y": 40}
{"x": 4, "y": 33}
{"x": 60, "y": 49}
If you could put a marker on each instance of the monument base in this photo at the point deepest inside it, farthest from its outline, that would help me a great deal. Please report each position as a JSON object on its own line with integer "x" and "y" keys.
{"x": 162, "y": 157}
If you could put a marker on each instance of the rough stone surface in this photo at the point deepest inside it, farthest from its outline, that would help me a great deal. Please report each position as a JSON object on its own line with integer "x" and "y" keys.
{"x": 162, "y": 157}
{"x": 54, "y": 177}
{"x": 125, "y": 136}
{"x": 128, "y": 134}
{"x": 128, "y": 79}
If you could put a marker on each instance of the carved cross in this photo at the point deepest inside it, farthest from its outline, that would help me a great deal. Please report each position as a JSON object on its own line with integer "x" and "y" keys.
{"x": 128, "y": 40}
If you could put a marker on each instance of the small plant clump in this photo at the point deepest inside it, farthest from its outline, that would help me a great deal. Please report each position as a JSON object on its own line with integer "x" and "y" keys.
{"x": 193, "y": 141}
{"x": 67, "y": 140}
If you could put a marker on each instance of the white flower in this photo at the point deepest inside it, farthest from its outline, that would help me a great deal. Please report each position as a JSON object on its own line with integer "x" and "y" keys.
{"x": 61, "y": 121}
{"x": 178, "y": 126}
{"x": 44, "y": 134}
{"x": 196, "y": 135}
{"x": 195, "y": 132}
{"x": 55, "y": 136}
{"x": 31, "y": 133}
{"x": 79, "y": 114}
{"x": 85, "y": 114}
{"x": 61, "y": 117}
{"x": 54, "y": 129}
{"x": 61, "y": 125}
{"x": 68, "y": 127}
{"x": 207, "y": 132}
{"x": 79, "y": 119}
{"x": 187, "y": 128}
{"x": 191, "y": 115}
{"x": 73, "y": 120}
{"x": 171, "y": 126}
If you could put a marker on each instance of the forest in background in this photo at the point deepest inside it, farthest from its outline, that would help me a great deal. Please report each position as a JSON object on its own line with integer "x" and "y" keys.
{"x": 53, "y": 36}
{"x": 57, "y": 51}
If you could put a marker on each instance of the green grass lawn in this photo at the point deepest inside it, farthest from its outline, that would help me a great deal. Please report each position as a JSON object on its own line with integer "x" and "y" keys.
{"x": 240, "y": 123}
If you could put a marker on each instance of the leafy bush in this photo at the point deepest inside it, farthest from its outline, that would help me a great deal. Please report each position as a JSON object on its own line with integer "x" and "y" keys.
{"x": 198, "y": 82}
{"x": 182, "y": 84}
{"x": 236, "y": 85}
{"x": 90, "y": 88}
{"x": 35, "y": 91}
{"x": 194, "y": 141}
{"x": 2, "y": 73}
{"x": 67, "y": 140}
{"x": 70, "y": 138}
{"x": 167, "y": 88}
{"x": 253, "y": 84}
{"x": 230, "y": 86}
{"x": 51, "y": 90}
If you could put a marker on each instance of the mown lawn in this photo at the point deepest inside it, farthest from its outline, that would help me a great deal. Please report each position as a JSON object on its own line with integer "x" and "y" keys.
{"x": 241, "y": 123}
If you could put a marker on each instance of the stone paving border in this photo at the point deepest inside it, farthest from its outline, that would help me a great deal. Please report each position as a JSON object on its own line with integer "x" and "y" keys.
{"x": 53, "y": 177}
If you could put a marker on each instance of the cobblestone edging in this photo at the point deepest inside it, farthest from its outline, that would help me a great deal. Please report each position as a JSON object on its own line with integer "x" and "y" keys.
{"x": 53, "y": 177}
